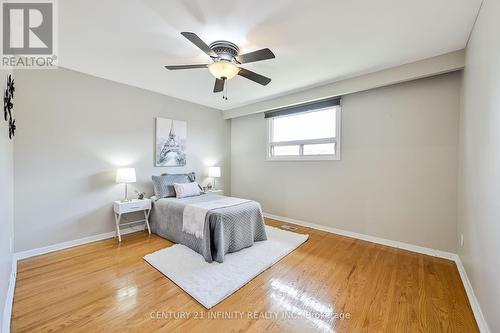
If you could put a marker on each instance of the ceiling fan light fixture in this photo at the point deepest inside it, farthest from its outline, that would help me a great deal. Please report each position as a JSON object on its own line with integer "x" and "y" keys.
{"x": 223, "y": 69}
{"x": 226, "y": 59}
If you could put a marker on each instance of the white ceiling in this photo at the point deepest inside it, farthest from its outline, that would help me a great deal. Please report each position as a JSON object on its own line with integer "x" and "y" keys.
{"x": 315, "y": 42}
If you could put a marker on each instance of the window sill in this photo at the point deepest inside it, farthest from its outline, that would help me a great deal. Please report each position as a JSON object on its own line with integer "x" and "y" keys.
{"x": 304, "y": 158}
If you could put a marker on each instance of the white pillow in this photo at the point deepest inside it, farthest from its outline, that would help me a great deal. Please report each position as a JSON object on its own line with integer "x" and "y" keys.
{"x": 183, "y": 190}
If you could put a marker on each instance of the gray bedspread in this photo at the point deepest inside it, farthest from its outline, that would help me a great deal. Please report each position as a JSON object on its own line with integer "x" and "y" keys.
{"x": 227, "y": 229}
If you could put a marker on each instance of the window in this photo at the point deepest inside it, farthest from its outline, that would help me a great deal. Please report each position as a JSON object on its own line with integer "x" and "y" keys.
{"x": 310, "y": 132}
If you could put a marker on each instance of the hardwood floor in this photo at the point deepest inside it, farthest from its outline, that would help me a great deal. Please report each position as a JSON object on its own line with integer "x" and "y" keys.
{"x": 106, "y": 286}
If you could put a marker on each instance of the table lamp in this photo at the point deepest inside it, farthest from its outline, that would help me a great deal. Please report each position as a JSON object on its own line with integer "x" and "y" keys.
{"x": 214, "y": 172}
{"x": 125, "y": 176}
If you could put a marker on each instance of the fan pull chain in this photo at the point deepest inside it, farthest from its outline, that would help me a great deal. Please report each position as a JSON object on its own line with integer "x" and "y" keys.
{"x": 225, "y": 90}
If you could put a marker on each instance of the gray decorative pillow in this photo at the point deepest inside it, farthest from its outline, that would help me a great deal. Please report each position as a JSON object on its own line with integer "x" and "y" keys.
{"x": 164, "y": 185}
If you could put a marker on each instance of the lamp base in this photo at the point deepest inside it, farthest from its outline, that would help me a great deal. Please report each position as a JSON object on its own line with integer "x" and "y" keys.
{"x": 126, "y": 199}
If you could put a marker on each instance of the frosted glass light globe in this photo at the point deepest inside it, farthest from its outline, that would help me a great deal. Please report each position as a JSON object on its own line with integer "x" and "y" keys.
{"x": 223, "y": 69}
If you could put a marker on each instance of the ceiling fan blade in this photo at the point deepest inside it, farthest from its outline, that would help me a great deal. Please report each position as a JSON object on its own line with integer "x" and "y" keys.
{"x": 254, "y": 76}
{"x": 193, "y": 38}
{"x": 258, "y": 55}
{"x": 185, "y": 66}
{"x": 219, "y": 85}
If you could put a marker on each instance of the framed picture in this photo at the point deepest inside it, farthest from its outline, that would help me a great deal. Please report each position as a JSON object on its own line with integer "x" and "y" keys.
{"x": 171, "y": 138}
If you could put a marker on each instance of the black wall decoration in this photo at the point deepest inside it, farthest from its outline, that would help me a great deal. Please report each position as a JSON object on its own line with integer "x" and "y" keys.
{"x": 8, "y": 104}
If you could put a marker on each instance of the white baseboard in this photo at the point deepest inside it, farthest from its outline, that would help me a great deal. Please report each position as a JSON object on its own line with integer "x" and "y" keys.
{"x": 61, "y": 246}
{"x": 474, "y": 303}
{"x": 9, "y": 298}
{"x": 476, "y": 309}
{"x": 373, "y": 239}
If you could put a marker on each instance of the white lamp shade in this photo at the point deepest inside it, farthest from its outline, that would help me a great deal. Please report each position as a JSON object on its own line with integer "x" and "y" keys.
{"x": 214, "y": 172}
{"x": 223, "y": 69}
{"x": 125, "y": 175}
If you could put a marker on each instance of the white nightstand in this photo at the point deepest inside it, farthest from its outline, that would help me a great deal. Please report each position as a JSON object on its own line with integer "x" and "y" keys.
{"x": 135, "y": 205}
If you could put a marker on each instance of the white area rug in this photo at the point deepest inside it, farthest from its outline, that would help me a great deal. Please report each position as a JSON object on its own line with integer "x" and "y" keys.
{"x": 211, "y": 283}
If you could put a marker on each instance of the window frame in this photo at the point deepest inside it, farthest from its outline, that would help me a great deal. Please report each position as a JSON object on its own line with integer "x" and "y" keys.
{"x": 337, "y": 140}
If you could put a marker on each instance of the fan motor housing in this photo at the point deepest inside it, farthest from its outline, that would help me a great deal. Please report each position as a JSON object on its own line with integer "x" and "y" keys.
{"x": 225, "y": 49}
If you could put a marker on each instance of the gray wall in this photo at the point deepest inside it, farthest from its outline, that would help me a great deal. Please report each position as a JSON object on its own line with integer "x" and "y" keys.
{"x": 398, "y": 175}
{"x": 6, "y": 202}
{"x": 479, "y": 172}
{"x": 74, "y": 131}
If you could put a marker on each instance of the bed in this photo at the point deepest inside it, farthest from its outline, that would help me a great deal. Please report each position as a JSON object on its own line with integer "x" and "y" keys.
{"x": 226, "y": 229}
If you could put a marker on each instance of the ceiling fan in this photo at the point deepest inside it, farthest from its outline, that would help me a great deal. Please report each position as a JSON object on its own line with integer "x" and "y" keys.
{"x": 226, "y": 59}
